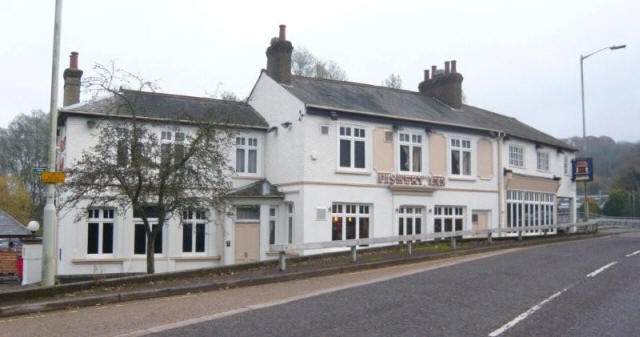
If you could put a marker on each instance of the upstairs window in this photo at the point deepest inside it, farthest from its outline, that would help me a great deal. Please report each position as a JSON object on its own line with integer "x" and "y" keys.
{"x": 410, "y": 152}
{"x": 172, "y": 147}
{"x": 460, "y": 157}
{"x": 100, "y": 231}
{"x": 566, "y": 165}
{"x": 516, "y": 156}
{"x": 543, "y": 161}
{"x": 246, "y": 155}
{"x": 352, "y": 147}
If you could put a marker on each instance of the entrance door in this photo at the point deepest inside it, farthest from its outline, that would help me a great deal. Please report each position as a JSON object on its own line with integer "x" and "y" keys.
{"x": 247, "y": 242}
{"x": 480, "y": 220}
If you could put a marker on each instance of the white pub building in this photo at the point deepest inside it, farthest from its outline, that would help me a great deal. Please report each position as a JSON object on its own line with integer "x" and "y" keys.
{"x": 324, "y": 160}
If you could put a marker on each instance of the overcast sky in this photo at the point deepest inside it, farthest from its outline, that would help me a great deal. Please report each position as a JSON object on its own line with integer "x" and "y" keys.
{"x": 518, "y": 58}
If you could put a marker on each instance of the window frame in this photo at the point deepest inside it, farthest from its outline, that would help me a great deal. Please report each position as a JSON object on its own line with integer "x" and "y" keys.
{"x": 290, "y": 222}
{"x": 243, "y": 142}
{"x": 101, "y": 220}
{"x": 273, "y": 225}
{"x": 522, "y": 206}
{"x": 522, "y": 154}
{"x": 153, "y": 221}
{"x": 440, "y": 213}
{"x": 342, "y": 210}
{"x": 461, "y": 150}
{"x": 352, "y": 138}
{"x": 541, "y": 155}
{"x": 195, "y": 218}
{"x": 412, "y": 212}
{"x": 412, "y": 136}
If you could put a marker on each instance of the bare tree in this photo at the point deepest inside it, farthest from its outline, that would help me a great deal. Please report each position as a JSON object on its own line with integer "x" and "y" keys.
{"x": 304, "y": 63}
{"x": 23, "y": 146}
{"x": 219, "y": 93}
{"x": 393, "y": 81}
{"x": 132, "y": 167}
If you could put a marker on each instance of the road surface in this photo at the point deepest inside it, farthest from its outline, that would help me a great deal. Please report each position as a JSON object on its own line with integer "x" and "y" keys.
{"x": 579, "y": 288}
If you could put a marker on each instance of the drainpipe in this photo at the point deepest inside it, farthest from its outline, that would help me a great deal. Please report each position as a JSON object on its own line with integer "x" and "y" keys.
{"x": 500, "y": 136}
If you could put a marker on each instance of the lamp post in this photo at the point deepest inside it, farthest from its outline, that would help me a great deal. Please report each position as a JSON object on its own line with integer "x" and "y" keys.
{"x": 49, "y": 218}
{"x": 584, "y": 128}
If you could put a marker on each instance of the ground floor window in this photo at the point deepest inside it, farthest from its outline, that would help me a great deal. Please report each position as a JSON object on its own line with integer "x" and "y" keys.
{"x": 140, "y": 240}
{"x": 350, "y": 221}
{"x": 100, "y": 231}
{"x": 290, "y": 223}
{"x": 273, "y": 222}
{"x": 194, "y": 224}
{"x": 410, "y": 220}
{"x": 526, "y": 209}
{"x": 448, "y": 219}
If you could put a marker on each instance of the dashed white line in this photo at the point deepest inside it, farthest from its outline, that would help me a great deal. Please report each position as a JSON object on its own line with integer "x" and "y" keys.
{"x": 525, "y": 314}
{"x": 634, "y": 253}
{"x": 601, "y": 269}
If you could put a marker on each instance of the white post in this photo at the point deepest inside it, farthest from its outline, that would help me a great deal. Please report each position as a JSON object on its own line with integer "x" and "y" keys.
{"x": 409, "y": 248}
{"x": 282, "y": 261}
{"x": 49, "y": 218}
{"x": 354, "y": 255}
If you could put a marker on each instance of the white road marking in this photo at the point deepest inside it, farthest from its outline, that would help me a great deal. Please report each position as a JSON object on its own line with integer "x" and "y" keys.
{"x": 525, "y": 314}
{"x": 634, "y": 253}
{"x": 601, "y": 269}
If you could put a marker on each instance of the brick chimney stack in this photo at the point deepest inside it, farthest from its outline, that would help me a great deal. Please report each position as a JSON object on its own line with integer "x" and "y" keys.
{"x": 72, "y": 77}
{"x": 279, "y": 58}
{"x": 445, "y": 86}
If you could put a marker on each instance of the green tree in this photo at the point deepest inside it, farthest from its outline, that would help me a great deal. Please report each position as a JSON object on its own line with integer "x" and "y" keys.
{"x": 14, "y": 199}
{"x": 593, "y": 206}
{"x": 617, "y": 204}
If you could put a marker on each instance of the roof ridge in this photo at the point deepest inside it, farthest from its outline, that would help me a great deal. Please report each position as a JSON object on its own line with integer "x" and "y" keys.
{"x": 183, "y": 96}
{"x": 357, "y": 83}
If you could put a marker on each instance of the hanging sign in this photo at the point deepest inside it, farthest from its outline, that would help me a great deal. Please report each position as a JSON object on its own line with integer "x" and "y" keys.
{"x": 582, "y": 169}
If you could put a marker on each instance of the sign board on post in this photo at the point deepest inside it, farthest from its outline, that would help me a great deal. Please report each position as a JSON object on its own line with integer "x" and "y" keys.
{"x": 39, "y": 169}
{"x": 52, "y": 177}
{"x": 582, "y": 169}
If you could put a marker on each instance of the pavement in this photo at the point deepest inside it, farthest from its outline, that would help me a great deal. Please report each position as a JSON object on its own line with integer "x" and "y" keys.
{"x": 536, "y": 291}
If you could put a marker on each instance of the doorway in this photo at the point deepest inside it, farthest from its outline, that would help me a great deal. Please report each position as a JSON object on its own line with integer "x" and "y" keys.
{"x": 480, "y": 220}
{"x": 247, "y": 242}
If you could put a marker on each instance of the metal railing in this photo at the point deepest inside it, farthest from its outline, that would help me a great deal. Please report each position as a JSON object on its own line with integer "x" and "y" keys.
{"x": 282, "y": 249}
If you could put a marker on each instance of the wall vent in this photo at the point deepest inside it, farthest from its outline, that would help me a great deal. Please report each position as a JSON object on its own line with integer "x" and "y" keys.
{"x": 324, "y": 130}
{"x": 388, "y": 136}
{"x": 321, "y": 213}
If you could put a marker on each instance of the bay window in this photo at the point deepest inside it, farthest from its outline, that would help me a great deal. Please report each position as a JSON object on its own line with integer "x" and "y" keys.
{"x": 410, "y": 152}
{"x": 527, "y": 209}
{"x": 350, "y": 221}
{"x": 460, "y": 157}
{"x": 351, "y": 147}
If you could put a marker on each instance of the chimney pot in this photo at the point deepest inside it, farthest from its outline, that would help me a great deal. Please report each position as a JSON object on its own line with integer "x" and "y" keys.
{"x": 283, "y": 33}
{"x": 433, "y": 71}
{"x": 446, "y": 67}
{"x": 426, "y": 74}
{"x": 73, "y": 60}
{"x": 453, "y": 66}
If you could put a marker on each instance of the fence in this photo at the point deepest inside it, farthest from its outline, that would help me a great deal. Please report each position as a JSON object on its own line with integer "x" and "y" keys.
{"x": 281, "y": 249}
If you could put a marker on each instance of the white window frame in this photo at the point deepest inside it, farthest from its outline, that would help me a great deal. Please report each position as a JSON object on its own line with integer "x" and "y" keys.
{"x": 461, "y": 149}
{"x": 514, "y": 161}
{"x": 542, "y": 157}
{"x": 352, "y": 138}
{"x": 247, "y": 143}
{"x": 101, "y": 220}
{"x": 153, "y": 221}
{"x": 441, "y": 212}
{"x": 351, "y": 210}
{"x": 290, "y": 222}
{"x": 411, "y": 212}
{"x": 530, "y": 208}
{"x": 194, "y": 218}
{"x": 411, "y": 139}
{"x": 273, "y": 220}
{"x": 566, "y": 165}
{"x": 169, "y": 137}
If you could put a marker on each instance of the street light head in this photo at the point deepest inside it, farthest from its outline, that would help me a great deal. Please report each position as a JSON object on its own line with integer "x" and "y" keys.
{"x": 618, "y": 47}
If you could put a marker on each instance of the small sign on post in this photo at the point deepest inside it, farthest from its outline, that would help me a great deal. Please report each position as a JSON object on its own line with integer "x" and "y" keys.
{"x": 39, "y": 169}
{"x": 52, "y": 177}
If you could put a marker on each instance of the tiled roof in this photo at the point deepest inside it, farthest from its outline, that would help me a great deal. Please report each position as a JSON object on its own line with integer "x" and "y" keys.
{"x": 11, "y": 227}
{"x": 259, "y": 189}
{"x": 171, "y": 107}
{"x": 410, "y": 105}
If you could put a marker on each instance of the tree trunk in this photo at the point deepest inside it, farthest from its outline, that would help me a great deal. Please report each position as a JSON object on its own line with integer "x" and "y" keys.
{"x": 151, "y": 239}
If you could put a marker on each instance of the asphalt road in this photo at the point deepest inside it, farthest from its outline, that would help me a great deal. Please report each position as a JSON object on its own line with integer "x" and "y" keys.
{"x": 581, "y": 288}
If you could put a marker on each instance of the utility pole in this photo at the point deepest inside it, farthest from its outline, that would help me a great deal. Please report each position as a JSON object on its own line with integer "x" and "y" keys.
{"x": 50, "y": 217}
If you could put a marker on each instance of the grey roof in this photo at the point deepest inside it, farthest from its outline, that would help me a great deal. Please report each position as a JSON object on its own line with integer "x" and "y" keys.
{"x": 259, "y": 189}
{"x": 172, "y": 107}
{"x": 410, "y": 105}
{"x": 11, "y": 227}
